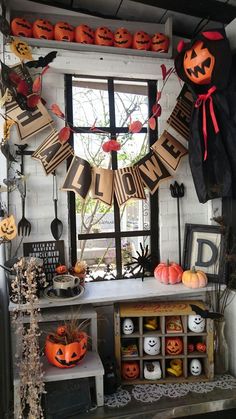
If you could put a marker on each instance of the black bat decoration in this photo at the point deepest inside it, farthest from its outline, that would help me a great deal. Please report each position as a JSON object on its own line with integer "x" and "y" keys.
{"x": 4, "y": 26}
{"x": 42, "y": 61}
{"x": 206, "y": 314}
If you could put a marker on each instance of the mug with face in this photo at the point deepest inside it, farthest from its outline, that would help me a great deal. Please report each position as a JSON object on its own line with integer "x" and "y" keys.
{"x": 64, "y": 282}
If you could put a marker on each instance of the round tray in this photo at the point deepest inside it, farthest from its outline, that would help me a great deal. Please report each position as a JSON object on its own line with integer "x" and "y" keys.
{"x": 78, "y": 291}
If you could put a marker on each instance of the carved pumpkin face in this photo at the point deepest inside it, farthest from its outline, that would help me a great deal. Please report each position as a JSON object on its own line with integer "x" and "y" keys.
{"x": 199, "y": 64}
{"x": 160, "y": 42}
{"x": 104, "y": 36}
{"x": 21, "y": 27}
{"x": 130, "y": 370}
{"x": 84, "y": 34}
{"x": 8, "y": 228}
{"x": 122, "y": 38}
{"x": 63, "y": 32}
{"x": 141, "y": 40}
{"x": 66, "y": 356}
{"x": 174, "y": 346}
{"x": 43, "y": 29}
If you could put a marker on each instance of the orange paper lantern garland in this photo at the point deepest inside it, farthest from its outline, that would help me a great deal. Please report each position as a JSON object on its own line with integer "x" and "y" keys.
{"x": 84, "y": 34}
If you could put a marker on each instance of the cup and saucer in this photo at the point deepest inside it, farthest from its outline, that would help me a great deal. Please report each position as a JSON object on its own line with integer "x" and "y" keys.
{"x": 64, "y": 287}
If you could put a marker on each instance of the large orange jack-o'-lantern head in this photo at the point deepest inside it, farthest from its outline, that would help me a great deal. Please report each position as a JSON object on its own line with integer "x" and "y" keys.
{"x": 43, "y": 29}
{"x": 21, "y": 27}
{"x": 205, "y": 61}
{"x": 104, "y": 36}
{"x": 63, "y": 32}
{"x": 199, "y": 64}
{"x": 84, "y": 34}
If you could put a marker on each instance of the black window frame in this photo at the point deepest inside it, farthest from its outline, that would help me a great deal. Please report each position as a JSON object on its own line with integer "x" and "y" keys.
{"x": 153, "y": 231}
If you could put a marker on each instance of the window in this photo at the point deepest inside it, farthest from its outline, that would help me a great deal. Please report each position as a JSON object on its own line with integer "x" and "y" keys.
{"x": 108, "y": 237}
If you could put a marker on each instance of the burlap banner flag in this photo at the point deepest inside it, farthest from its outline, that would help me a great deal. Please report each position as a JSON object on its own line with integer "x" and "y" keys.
{"x": 181, "y": 115}
{"x": 152, "y": 171}
{"x": 169, "y": 150}
{"x": 102, "y": 184}
{"x": 52, "y": 152}
{"x": 78, "y": 178}
{"x": 128, "y": 184}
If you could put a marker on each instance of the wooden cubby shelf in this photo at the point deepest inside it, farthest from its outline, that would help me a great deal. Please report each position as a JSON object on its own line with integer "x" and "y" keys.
{"x": 158, "y": 338}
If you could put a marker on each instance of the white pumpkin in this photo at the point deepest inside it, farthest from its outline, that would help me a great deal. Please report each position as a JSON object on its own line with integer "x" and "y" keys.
{"x": 128, "y": 326}
{"x": 195, "y": 367}
{"x": 196, "y": 323}
{"x": 152, "y": 370}
{"x": 152, "y": 345}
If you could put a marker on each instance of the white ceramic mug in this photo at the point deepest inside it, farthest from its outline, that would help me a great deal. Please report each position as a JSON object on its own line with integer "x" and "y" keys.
{"x": 63, "y": 282}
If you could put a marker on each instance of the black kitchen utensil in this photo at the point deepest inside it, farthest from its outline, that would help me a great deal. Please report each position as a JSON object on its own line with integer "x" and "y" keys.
{"x": 24, "y": 226}
{"x": 177, "y": 191}
{"x": 56, "y": 224}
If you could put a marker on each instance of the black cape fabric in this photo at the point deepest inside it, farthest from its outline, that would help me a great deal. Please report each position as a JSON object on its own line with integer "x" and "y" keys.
{"x": 216, "y": 176}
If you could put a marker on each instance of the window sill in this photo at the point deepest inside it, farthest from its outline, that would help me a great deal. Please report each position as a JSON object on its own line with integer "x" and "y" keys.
{"x": 107, "y": 292}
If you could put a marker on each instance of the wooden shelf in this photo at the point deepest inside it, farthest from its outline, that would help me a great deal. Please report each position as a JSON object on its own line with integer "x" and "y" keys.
{"x": 163, "y": 311}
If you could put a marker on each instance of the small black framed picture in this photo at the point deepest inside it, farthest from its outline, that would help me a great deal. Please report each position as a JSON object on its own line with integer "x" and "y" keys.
{"x": 205, "y": 247}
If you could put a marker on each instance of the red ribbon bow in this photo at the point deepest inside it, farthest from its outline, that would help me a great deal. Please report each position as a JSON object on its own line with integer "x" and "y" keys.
{"x": 201, "y": 100}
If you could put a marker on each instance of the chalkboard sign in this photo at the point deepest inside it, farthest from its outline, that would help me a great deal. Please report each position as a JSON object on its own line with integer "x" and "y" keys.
{"x": 51, "y": 252}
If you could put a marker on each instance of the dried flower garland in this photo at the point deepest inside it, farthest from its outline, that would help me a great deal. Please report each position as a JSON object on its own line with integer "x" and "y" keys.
{"x": 25, "y": 289}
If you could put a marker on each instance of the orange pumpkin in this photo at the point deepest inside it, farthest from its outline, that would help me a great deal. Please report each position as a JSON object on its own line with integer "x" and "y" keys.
{"x": 199, "y": 64}
{"x": 84, "y": 34}
{"x": 21, "y": 27}
{"x": 168, "y": 273}
{"x": 43, "y": 29}
{"x": 201, "y": 347}
{"x": 61, "y": 330}
{"x": 141, "y": 40}
{"x": 174, "y": 345}
{"x": 122, "y": 38}
{"x": 194, "y": 279}
{"x": 63, "y": 31}
{"x": 61, "y": 269}
{"x": 104, "y": 36}
{"x": 130, "y": 370}
{"x": 66, "y": 356}
{"x": 160, "y": 42}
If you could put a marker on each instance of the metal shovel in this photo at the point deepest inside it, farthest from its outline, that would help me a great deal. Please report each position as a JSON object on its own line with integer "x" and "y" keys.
{"x": 56, "y": 224}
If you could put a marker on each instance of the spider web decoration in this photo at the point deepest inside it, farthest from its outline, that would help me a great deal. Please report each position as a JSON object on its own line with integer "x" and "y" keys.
{"x": 141, "y": 263}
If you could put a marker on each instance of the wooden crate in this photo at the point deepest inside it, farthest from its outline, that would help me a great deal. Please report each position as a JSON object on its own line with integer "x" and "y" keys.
{"x": 162, "y": 311}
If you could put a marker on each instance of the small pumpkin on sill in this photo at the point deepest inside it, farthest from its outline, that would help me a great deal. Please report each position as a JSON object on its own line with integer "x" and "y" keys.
{"x": 84, "y": 34}
{"x": 141, "y": 41}
{"x": 63, "y": 31}
{"x": 61, "y": 269}
{"x": 168, "y": 273}
{"x": 160, "y": 42}
{"x": 194, "y": 278}
{"x": 122, "y": 38}
{"x": 104, "y": 36}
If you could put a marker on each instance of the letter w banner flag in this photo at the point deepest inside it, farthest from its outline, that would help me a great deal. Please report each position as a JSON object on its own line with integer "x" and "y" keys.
{"x": 128, "y": 184}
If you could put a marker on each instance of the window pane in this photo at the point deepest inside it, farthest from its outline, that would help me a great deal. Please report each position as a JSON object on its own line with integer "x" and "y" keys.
{"x": 135, "y": 215}
{"x": 133, "y": 148}
{"x": 130, "y": 246}
{"x": 89, "y": 147}
{"x": 90, "y": 103}
{"x": 98, "y": 253}
{"x": 92, "y": 216}
{"x": 130, "y": 100}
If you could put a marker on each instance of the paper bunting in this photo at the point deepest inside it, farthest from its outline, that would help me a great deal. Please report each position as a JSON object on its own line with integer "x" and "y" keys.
{"x": 78, "y": 178}
{"x": 169, "y": 149}
{"x": 128, "y": 184}
{"x": 181, "y": 115}
{"x": 52, "y": 152}
{"x": 152, "y": 171}
{"x": 102, "y": 184}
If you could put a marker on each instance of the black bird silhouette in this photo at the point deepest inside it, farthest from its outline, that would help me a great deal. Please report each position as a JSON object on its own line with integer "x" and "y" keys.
{"x": 206, "y": 314}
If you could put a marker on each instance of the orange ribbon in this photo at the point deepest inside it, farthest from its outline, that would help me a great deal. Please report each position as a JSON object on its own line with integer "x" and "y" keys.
{"x": 201, "y": 100}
